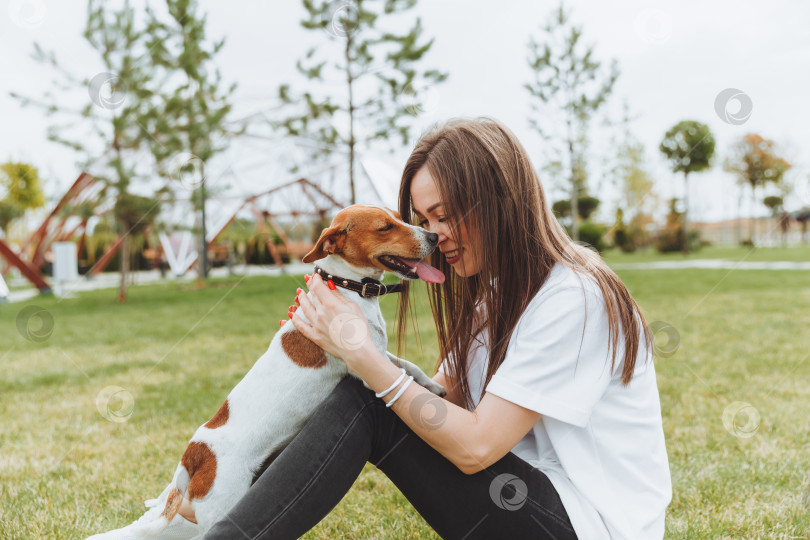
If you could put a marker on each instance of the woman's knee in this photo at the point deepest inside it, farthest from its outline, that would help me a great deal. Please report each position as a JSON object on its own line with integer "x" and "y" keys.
{"x": 348, "y": 397}
{"x": 359, "y": 405}
{"x": 353, "y": 388}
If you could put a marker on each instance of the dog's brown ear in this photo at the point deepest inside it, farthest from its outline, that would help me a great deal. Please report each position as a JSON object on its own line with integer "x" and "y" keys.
{"x": 331, "y": 241}
{"x": 396, "y": 214}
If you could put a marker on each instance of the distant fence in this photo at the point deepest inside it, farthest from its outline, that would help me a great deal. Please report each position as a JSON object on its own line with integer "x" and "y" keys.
{"x": 766, "y": 232}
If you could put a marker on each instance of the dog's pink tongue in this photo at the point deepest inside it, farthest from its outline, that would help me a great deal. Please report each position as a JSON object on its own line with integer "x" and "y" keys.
{"x": 428, "y": 273}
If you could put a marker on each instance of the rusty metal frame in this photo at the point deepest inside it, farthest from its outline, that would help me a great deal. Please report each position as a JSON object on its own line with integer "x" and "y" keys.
{"x": 44, "y": 236}
{"x": 41, "y": 239}
{"x": 265, "y": 218}
{"x": 31, "y": 273}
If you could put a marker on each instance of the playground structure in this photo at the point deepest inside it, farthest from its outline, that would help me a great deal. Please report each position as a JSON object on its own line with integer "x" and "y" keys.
{"x": 322, "y": 203}
{"x": 311, "y": 197}
{"x": 258, "y": 162}
{"x": 64, "y": 223}
{"x": 31, "y": 257}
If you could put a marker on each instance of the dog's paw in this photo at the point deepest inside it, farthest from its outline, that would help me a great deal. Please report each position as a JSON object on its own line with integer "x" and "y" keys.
{"x": 436, "y": 388}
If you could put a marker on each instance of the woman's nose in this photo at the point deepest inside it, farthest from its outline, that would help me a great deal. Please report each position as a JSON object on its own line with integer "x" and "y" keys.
{"x": 440, "y": 231}
{"x": 442, "y": 237}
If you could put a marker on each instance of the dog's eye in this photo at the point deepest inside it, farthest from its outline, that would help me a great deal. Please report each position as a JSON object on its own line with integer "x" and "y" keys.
{"x": 387, "y": 227}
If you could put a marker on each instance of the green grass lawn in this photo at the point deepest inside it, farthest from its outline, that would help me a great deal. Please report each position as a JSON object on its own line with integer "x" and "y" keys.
{"x": 67, "y": 471}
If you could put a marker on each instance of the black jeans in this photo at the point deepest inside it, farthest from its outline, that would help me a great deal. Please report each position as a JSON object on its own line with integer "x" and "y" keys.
{"x": 509, "y": 499}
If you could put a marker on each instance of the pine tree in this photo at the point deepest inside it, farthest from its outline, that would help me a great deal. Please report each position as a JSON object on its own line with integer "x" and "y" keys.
{"x": 187, "y": 123}
{"x": 117, "y": 96}
{"x": 627, "y": 172}
{"x": 382, "y": 84}
{"x": 570, "y": 80}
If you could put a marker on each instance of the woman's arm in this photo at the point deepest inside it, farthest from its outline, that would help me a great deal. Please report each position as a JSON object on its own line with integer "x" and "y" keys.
{"x": 473, "y": 440}
{"x": 450, "y": 386}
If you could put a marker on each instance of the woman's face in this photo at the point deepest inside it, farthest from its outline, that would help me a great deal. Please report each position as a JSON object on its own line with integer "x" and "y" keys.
{"x": 460, "y": 252}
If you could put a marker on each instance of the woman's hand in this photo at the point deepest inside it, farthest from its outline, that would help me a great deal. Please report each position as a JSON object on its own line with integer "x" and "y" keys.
{"x": 332, "y": 322}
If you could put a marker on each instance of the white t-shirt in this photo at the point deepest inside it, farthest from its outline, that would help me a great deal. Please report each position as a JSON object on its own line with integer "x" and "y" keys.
{"x": 600, "y": 443}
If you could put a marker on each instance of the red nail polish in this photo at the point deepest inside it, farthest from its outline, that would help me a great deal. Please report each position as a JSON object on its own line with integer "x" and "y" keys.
{"x": 331, "y": 285}
{"x": 289, "y": 314}
{"x": 298, "y": 290}
{"x": 281, "y": 323}
{"x": 306, "y": 278}
{"x": 297, "y": 303}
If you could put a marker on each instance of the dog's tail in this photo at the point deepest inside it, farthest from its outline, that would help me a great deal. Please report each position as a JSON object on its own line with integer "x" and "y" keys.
{"x": 177, "y": 489}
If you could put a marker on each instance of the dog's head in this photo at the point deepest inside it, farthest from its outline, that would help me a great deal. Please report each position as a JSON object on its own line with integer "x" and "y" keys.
{"x": 367, "y": 236}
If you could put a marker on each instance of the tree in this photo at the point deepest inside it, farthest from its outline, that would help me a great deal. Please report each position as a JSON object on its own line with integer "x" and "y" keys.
{"x": 673, "y": 235}
{"x": 689, "y": 147}
{"x": 587, "y": 206}
{"x": 9, "y": 211}
{"x": 803, "y": 217}
{"x": 22, "y": 185}
{"x": 374, "y": 110}
{"x": 774, "y": 204}
{"x": 187, "y": 123}
{"x": 628, "y": 175}
{"x": 137, "y": 214}
{"x": 754, "y": 161}
{"x": 23, "y": 190}
{"x": 118, "y": 95}
{"x": 621, "y": 237}
{"x": 568, "y": 79}
{"x": 636, "y": 190}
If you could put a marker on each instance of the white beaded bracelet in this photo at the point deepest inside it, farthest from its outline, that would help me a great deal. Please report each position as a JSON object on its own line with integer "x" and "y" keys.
{"x": 396, "y": 383}
{"x": 401, "y": 390}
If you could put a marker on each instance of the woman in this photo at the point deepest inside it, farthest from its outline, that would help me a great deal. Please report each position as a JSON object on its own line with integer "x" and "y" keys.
{"x": 551, "y": 427}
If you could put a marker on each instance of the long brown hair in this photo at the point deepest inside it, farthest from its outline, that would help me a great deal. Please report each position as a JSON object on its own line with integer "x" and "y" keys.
{"x": 487, "y": 182}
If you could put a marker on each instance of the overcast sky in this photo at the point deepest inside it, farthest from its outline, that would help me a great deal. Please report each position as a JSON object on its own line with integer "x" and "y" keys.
{"x": 675, "y": 58}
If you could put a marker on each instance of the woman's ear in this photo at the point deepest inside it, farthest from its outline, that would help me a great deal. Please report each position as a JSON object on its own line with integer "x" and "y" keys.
{"x": 331, "y": 241}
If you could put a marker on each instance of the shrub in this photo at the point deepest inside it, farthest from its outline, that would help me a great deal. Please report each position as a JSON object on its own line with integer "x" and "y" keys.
{"x": 593, "y": 234}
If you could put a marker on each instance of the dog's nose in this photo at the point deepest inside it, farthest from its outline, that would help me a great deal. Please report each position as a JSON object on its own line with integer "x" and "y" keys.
{"x": 433, "y": 238}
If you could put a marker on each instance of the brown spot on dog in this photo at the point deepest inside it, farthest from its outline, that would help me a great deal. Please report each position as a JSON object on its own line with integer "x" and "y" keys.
{"x": 220, "y": 418}
{"x": 172, "y": 504}
{"x": 302, "y": 350}
{"x": 201, "y": 464}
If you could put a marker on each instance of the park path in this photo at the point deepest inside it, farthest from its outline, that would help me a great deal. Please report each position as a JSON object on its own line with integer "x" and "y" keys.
{"x": 109, "y": 280}
{"x": 714, "y": 264}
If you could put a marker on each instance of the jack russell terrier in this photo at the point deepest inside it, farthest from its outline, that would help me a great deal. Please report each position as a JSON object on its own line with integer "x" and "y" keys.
{"x": 264, "y": 412}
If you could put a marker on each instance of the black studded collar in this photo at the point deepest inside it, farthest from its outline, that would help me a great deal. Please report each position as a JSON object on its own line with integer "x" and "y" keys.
{"x": 365, "y": 288}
